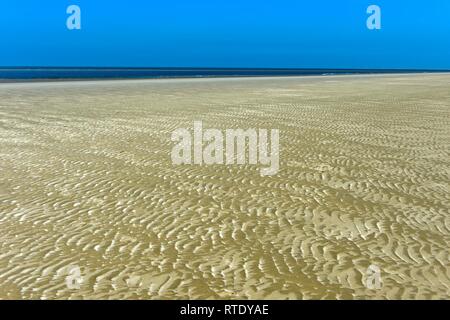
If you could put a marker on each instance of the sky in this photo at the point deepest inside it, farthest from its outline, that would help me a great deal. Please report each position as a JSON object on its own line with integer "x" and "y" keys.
{"x": 414, "y": 34}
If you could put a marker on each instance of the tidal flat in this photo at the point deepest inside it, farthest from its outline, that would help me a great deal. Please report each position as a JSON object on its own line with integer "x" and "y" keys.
{"x": 88, "y": 190}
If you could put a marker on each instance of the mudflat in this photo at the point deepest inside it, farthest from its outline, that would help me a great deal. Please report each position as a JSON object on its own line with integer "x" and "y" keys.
{"x": 91, "y": 205}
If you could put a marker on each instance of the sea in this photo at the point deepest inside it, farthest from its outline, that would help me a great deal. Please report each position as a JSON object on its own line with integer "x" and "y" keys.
{"x": 88, "y": 73}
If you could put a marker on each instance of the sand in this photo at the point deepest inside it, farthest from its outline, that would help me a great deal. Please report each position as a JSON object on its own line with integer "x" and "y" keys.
{"x": 87, "y": 180}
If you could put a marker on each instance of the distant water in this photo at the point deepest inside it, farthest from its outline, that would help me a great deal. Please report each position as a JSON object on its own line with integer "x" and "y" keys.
{"x": 35, "y": 73}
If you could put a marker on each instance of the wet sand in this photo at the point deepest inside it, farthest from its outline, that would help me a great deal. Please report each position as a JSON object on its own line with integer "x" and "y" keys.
{"x": 87, "y": 180}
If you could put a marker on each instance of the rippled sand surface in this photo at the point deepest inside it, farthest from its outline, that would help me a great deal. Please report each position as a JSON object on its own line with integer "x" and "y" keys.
{"x": 87, "y": 180}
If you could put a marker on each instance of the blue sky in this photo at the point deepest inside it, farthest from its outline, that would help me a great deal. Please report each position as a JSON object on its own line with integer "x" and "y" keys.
{"x": 226, "y": 33}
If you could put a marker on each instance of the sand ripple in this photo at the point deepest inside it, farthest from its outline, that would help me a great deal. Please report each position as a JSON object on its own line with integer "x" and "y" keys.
{"x": 364, "y": 179}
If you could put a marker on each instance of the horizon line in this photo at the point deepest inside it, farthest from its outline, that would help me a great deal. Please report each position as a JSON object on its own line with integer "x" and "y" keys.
{"x": 219, "y": 68}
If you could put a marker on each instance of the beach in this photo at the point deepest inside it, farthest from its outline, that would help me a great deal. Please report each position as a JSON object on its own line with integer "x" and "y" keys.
{"x": 88, "y": 190}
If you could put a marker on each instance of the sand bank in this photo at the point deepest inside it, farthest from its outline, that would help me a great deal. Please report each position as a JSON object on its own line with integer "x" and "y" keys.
{"x": 87, "y": 180}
